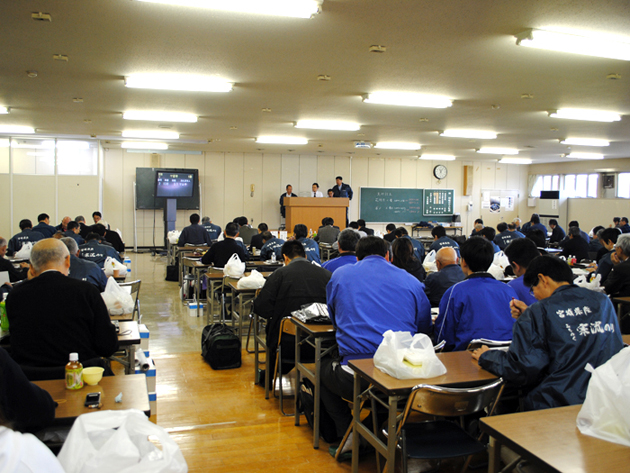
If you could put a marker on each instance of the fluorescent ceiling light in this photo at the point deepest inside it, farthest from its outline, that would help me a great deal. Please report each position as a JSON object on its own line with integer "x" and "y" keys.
{"x": 474, "y": 134}
{"x": 408, "y": 100}
{"x": 437, "y": 157}
{"x": 143, "y": 145}
{"x": 16, "y": 129}
{"x": 398, "y": 145}
{"x": 588, "y": 115}
{"x": 281, "y": 140}
{"x": 574, "y": 43}
{"x": 33, "y": 144}
{"x": 515, "y": 161}
{"x": 4, "y": 143}
{"x": 178, "y": 82}
{"x": 155, "y": 134}
{"x": 328, "y": 125}
{"x": 160, "y": 116}
{"x": 497, "y": 151}
{"x": 290, "y": 8}
{"x": 585, "y": 142}
{"x": 578, "y": 155}
{"x": 4, "y": 110}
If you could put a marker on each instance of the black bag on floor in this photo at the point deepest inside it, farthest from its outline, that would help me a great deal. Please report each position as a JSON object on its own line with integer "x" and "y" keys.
{"x": 172, "y": 272}
{"x": 220, "y": 347}
{"x": 306, "y": 405}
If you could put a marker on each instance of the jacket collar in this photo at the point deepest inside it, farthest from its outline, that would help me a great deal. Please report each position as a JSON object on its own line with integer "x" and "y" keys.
{"x": 480, "y": 275}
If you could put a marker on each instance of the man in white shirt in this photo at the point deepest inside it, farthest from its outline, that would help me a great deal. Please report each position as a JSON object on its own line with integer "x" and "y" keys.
{"x": 316, "y": 191}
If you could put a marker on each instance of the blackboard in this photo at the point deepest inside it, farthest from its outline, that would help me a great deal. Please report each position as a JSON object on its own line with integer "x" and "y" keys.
{"x": 384, "y": 205}
{"x": 145, "y": 190}
{"x": 437, "y": 202}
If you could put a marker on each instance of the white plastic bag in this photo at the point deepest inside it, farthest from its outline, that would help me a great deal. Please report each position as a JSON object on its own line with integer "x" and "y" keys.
{"x": 234, "y": 268}
{"x": 593, "y": 285}
{"x": 501, "y": 260}
{"x": 398, "y": 345}
{"x": 254, "y": 281}
{"x": 173, "y": 237}
{"x": 429, "y": 262}
{"x": 25, "y": 251}
{"x": 605, "y": 412}
{"x": 118, "y": 441}
{"x": 117, "y": 299}
{"x": 113, "y": 267}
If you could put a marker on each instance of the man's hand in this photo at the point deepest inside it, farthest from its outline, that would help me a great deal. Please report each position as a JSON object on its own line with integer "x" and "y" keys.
{"x": 479, "y": 351}
{"x": 517, "y": 308}
{"x": 614, "y": 258}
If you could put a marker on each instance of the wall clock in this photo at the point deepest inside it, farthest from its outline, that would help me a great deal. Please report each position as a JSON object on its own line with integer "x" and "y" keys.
{"x": 440, "y": 171}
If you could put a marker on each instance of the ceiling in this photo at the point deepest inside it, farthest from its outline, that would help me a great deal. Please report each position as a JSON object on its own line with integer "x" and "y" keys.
{"x": 464, "y": 50}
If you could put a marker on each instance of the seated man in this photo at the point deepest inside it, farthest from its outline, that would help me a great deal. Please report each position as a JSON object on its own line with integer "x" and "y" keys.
{"x": 361, "y": 298}
{"x": 555, "y": 338}
{"x": 213, "y": 230}
{"x": 220, "y": 253}
{"x": 84, "y": 229}
{"x": 557, "y": 232}
{"x": 257, "y": 240}
{"x": 505, "y": 235}
{"x": 83, "y": 269}
{"x": 477, "y": 226}
{"x": 194, "y": 234}
{"x": 246, "y": 232}
{"x": 390, "y": 236}
{"x": 595, "y": 246}
{"x": 608, "y": 239}
{"x": 347, "y": 242}
{"x": 98, "y": 218}
{"x": 63, "y": 226}
{"x": 44, "y": 227}
{"x": 477, "y": 307}
{"x": 534, "y": 223}
{"x": 6, "y": 265}
{"x": 271, "y": 244}
{"x": 583, "y": 234}
{"x": 418, "y": 248}
{"x": 576, "y": 246}
{"x": 327, "y": 233}
{"x": 96, "y": 252}
{"x": 520, "y": 253}
{"x": 363, "y": 228}
{"x": 512, "y": 227}
{"x": 440, "y": 240}
{"x": 448, "y": 274}
{"x": 72, "y": 231}
{"x": 618, "y": 281}
{"x": 26, "y": 235}
{"x": 287, "y": 289}
{"x": 52, "y": 315}
{"x": 538, "y": 237}
{"x": 310, "y": 246}
{"x": 489, "y": 234}
{"x": 623, "y": 225}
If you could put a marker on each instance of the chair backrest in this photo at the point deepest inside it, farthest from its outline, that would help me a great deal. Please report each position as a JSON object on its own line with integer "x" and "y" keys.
{"x": 134, "y": 291}
{"x": 286, "y": 326}
{"x": 452, "y": 402}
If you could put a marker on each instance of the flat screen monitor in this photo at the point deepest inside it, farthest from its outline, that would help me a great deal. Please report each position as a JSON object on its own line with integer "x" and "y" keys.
{"x": 174, "y": 184}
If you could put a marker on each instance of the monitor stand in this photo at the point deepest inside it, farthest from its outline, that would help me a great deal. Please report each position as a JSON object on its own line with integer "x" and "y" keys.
{"x": 170, "y": 216}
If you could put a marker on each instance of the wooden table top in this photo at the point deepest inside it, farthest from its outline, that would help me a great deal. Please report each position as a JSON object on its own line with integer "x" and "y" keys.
{"x": 71, "y": 402}
{"x": 626, "y": 339}
{"x": 232, "y": 283}
{"x": 314, "y": 329}
{"x": 551, "y": 437}
{"x": 621, "y": 299}
{"x": 128, "y": 333}
{"x": 461, "y": 369}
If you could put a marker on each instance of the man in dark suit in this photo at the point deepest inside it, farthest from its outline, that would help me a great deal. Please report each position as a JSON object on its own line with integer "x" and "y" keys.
{"x": 194, "y": 233}
{"x": 575, "y": 246}
{"x": 52, "y": 315}
{"x": 288, "y": 193}
{"x": 618, "y": 281}
{"x": 246, "y": 232}
{"x": 623, "y": 225}
{"x": 363, "y": 228}
{"x": 342, "y": 190}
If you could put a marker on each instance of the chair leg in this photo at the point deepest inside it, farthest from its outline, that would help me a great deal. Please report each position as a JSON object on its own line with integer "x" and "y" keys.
{"x": 343, "y": 442}
{"x": 404, "y": 451}
{"x": 249, "y": 333}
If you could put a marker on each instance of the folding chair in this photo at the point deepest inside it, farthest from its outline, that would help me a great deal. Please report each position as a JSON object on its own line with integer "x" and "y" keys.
{"x": 286, "y": 327}
{"x": 251, "y": 325}
{"x": 135, "y": 294}
{"x": 444, "y": 438}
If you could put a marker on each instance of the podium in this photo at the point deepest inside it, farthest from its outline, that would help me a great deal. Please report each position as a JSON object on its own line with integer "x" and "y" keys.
{"x": 311, "y": 210}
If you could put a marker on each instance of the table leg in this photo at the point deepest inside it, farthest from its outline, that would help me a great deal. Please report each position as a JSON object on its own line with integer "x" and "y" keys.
{"x": 298, "y": 353}
{"x": 316, "y": 413}
{"x": 392, "y": 441}
{"x": 131, "y": 360}
{"x": 198, "y": 288}
{"x": 232, "y": 311}
{"x": 494, "y": 456}
{"x": 356, "y": 418}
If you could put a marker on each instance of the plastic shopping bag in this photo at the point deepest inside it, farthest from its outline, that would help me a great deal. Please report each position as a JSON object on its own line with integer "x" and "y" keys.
{"x": 25, "y": 251}
{"x": 429, "y": 262}
{"x": 594, "y": 285}
{"x": 234, "y": 268}
{"x": 405, "y": 357}
{"x": 605, "y": 412}
{"x": 113, "y": 267}
{"x": 254, "y": 281}
{"x": 173, "y": 237}
{"x": 117, "y": 299}
{"x": 118, "y": 442}
{"x": 499, "y": 265}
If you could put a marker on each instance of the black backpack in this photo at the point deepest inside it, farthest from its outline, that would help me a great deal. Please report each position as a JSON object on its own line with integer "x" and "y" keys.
{"x": 220, "y": 347}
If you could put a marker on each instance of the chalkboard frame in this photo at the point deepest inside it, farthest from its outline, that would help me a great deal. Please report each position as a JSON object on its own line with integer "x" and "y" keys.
{"x": 145, "y": 190}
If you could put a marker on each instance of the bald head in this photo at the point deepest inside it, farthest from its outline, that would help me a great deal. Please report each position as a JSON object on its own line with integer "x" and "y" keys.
{"x": 49, "y": 254}
{"x": 445, "y": 257}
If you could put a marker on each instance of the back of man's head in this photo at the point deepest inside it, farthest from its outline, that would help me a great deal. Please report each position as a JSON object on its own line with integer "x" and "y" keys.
{"x": 354, "y": 225}
{"x": 330, "y": 221}
{"x": 266, "y": 236}
{"x": 574, "y": 223}
{"x": 205, "y": 220}
{"x": 72, "y": 225}
{"x": 478, "y": 253}
{"x": 371, "y": 245}
{"x": 616, "y": 219}
{"x": 3, "y": 242}
{"x": 521, "y": 251}
{"x": 71, "y": 244}
{"x": 538, "y": 237}
{"x": 361, "y": 223}
{"x": 42, "y": 217}
{"x": 263, "y": 227}
{"x": 400, "y": 232}
{"x": 488, "y": 232}
{"x": 609, "y": 235}
{"x": 26, "y": 223}
{"x": 79, "y": 219}
{"x": 446, "y": 256}
{"x": 553, "y": 221}
{"x": 48, "y": 254}
{"x": 511, "y": 227}
{"x": 574, "y": 231}
{"x": 623, "y": 243}
{"x": 300, "y": 231}
{"x": 243, "y": 221}
{"x": 596, "y": 229}
{"x": 501, "y": 227}
{"x": 438, "y": 231}
{"x": 194, "y": 219}
{"x": 535, "y": 219}
{"x": 231, "y": 229}
{"x": 348, "y": 240}
{"x": 624, "y": 220}
{"x": 550, "y": 266}
{"x": 293, "y": 249}
{"x": 99, "y": 229}
{"x": 390, "y": 227}
{"x": 92, "y": 236}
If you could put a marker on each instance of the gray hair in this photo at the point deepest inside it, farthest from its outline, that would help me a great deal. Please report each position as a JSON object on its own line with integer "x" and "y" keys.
{"x": 348, "y": 239}
{"x": 574, "y": 231}
{"x": 3, "y": 242}
{"x": 44, "y": 254}
{"x": 71, "y": 243}
{"x": 205, "y": 220}
{"x": 623, "y": 242}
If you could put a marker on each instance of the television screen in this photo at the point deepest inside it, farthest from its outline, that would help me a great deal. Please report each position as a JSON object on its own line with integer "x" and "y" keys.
{"x": 174, "y": 184}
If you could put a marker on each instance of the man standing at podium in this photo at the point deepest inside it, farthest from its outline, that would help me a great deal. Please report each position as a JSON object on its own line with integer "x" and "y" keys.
{"x": 288, "y": 193}
{"x": 342, "y": 190}
{"x": 316, "y": 192}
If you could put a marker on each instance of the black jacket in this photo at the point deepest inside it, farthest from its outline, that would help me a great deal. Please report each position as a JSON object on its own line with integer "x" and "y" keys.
{"x": 219, "y": 254}
{"x": 618, "y": 281}
{"x": 14, "y": 274}
{"x": 577, "y": 247}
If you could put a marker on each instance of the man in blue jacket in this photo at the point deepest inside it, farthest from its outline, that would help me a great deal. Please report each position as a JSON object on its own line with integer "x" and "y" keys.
{"x": 25, "y": 236}
{"x": 82, "y": 269}
{"x": 520, "y": 253}
{"x": 271, "y": 244}
{"x": 477, "y": 307}
{"x": 505, "y": 235}
{"x": 310, "y": 246}
{"x": 440, "y": 240}
{"x": 43, "y": 226}
{"x": 194, "y": 233}
{"x": 555, "y": 338}
{"x": 96, "y": 252}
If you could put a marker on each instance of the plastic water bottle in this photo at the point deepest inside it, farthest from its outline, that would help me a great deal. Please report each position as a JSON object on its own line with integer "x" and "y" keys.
{"x": 127, "y": 262}
{"x": 74, "y": 372}
{"x": 4, "y": 320}
{"x": 273, "y": 256}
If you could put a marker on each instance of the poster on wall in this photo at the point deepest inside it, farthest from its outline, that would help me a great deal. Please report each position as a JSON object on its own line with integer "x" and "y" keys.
{"x": 495, "y": 204}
